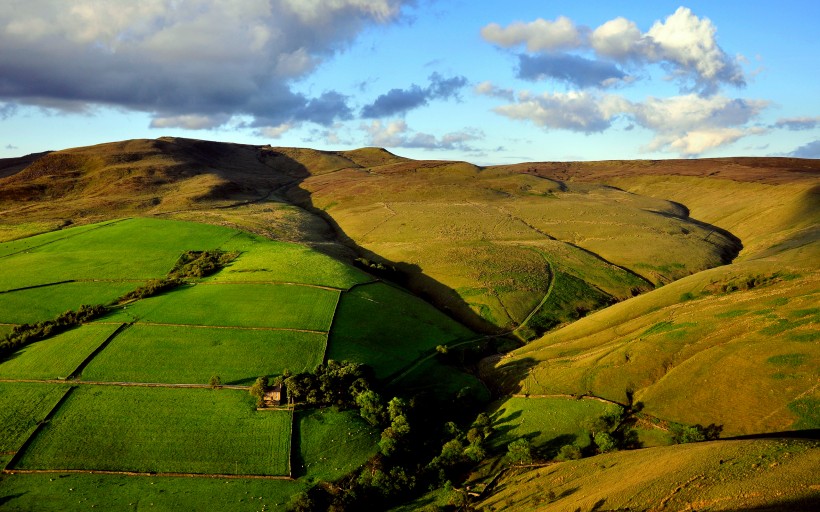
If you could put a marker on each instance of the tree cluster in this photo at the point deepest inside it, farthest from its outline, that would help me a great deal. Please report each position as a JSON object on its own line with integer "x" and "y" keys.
{"x": 696, "y": 433}
{"x": 332, "y": 383}
{"x": 28, "y": 333}
{"x": 195, "y": 264}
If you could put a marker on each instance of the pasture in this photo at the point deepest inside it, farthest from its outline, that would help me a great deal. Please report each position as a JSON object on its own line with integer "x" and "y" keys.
{"x": 56, "y": 357}
{"x": 131, "y": 249}
{"x": 387, "y": 328}
{"x": 237, "y": 305}
{"x": 22, "y": 406}
{"x": 547, "y": 423}
{"x": 263, "y": 260}
{"x": 332, "y": 443}
{"x": 174, "y": 354}
{"x": 33, "y": 305}
{"x": 200, "y": 431}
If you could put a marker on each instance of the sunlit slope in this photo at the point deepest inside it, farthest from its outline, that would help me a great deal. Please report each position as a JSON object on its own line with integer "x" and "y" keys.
{"x": 721, "y": 475}
{"x": 735, "y": 345}
{"x": 493, "y": 245}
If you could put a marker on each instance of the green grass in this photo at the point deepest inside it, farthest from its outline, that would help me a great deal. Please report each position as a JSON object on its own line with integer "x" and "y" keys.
{"x": 807, "y": 411}
{"x": 56, "y": 357}
{"x": 32, "y": 242}
{"x": 22, "y": 406}
{"x": 78, "y": 492}
{"x": 162, "y": 430}
{"x": 39, "y": 304}
{"x": 264, "y": 260}
{"x": 441, "y": 381}
{"x": 5, "y": 330}
{"x": 131, "y": 249}
{"x": 569, "y": 299}
{"x": 548, "y": 423}
{"x": 332, "y": 443}
{"x": 172, "y": 354}
{"x": 388, "y": 329}
{"x": 238, "y": 305}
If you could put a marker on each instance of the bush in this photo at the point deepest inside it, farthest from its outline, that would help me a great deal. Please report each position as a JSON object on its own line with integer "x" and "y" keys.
{"x": 519, "y": 452}
{"x": 697, "y": 433}
{"x": 568, "y": 452}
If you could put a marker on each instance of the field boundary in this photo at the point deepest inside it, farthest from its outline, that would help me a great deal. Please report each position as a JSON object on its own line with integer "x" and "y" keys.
{"x": 143, "y": 473}
{"x": 290, "y": 442}
{"x": 199, "y": 326}
{"x": 272, "y": 283}
{"x": 20, "y": 451}
{"x": 125, "y": 384}
{"x": 330, "y": 327}
{"x": 553, "y": 278}
{"x": 34, "y": 286}
{"x": 90, "y": 357}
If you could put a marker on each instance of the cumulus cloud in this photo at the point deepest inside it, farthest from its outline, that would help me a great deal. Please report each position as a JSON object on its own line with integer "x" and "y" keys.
{"x": 688, "y": 125}
{"x": 810, "y": 150}
{"x": 489, "y": 89}
{"x": 684, "y": 44}
{"x": 572, "y": 69}
{"x": 797, "y": 123}
{"x": 397, "y": 134}
{"x": 189, "y": 63}
{"x": 538, "y": 35}
{"x": 575, "y": 111}
{"x": 400, "y": 101}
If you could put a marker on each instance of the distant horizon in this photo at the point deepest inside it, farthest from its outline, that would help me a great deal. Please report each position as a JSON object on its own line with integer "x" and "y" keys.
{"x": 453, "y": 80}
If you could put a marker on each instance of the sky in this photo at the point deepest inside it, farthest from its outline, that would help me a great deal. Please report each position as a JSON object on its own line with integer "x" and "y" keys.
{"x": 489, "y": 82}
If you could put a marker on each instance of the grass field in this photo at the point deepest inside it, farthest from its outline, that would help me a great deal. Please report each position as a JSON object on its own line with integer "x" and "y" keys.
{"x": 172, "y": 354}
{"x": 548, "y": 423}
{"x": 387, "y": 328}
{"x": 50, "y": 236}
{"x": 767, "y": 474}
{"x": 237, "y": 305}
{"x": 332, "y": 443}
{"x": 265, "y": 260}
{"x": 78, "y": 492}
{"x": 162, "y": 430}
{"x": 46, "y": 303}
{"x": 129, "y": 249}
{"x": 22, "y": 406}
{"x": 56, "y": 357}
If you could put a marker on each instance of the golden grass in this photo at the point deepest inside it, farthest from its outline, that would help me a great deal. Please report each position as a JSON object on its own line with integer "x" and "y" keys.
{"x": 720, "y": 475}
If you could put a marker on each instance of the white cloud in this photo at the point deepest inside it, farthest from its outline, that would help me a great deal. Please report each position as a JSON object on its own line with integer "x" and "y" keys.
{"x": 576, "y": 111}
{"x": 190, "y": 122}
{"x": 275, "y": 132}
{"x": 798, "y": 123}
{"x": 489, "y": 89}
{"x": 397, "y": 134}
{"x": 182, "y": 61}
{"x": 538, "y": 35}
{"x": 617, "y": 39}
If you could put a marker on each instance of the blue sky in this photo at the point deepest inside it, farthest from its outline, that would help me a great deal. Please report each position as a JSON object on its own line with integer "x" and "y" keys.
{"x": 484, "y": 81}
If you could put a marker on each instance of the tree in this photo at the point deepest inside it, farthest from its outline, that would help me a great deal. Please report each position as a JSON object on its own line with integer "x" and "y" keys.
{"x": 258, "y": 389}
{"x": 569, "y": 452}
{"x": 519, "y": 452}
{"x": 370, "y": 407}
{"x": 215, "y": 382}
{"x": 605, "y": 442}
{"x": 697, "y": 433}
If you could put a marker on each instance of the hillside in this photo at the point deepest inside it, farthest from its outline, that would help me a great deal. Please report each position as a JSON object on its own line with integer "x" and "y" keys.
{"x": 659, "y": 293}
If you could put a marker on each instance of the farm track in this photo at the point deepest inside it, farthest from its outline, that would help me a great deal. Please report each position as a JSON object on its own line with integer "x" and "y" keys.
{"x": 546, "y": 295}
{"x": 123, "y": 384}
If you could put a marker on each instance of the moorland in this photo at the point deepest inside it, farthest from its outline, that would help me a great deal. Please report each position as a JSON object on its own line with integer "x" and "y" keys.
{"x": 554, "y": 336}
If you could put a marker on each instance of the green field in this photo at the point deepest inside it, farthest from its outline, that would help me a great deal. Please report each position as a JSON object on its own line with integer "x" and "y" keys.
{"x": 56, "y": 357}
{"x": 22, "y": 406}
{"x": 130, "y": 249}
{"x": 332, "y": 444}
{"x": 172, "y": 354}
{"x": 38, "y": 304}
{"x": 548, "y": 423}
{"x": 388, "y": 329}
{"x": 237, "y": 305}
{"x": 32, "y": 242}
{"x": 76, "y": 492}
{"x": 265, "y": 260}
{"x": 199, "y": 431}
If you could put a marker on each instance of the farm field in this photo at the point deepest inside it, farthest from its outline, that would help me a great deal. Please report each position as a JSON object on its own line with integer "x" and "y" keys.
{"x": 332, "y": 444}
{"x": 388, "y": 328}
{"x": 548, "y": 423}
{"x": 131, "y": 249}
{"x": 719, "y": 475}
{"x": 200, "y": 431}
{"x": 175, "y": 354}
{"x": 263, "y": 260}
{"x": 45, "y": 303}
{"x": 237, "y": 305}
{"x": 56, "y": 357}
{"x": 22, "y": 406}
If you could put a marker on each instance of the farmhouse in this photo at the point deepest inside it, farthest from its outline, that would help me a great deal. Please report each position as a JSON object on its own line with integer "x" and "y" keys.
{"x": 273, "y": 397}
